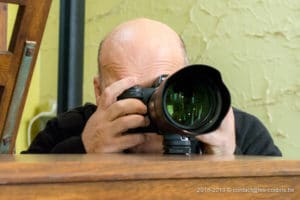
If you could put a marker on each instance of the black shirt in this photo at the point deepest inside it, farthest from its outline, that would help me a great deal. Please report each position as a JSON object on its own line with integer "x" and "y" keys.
{"x": 63, "y": 134}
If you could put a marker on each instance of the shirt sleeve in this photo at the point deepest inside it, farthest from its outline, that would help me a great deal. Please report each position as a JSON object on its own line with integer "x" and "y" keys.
{"x": 62, "y": 134}
{"x": 70, "y": 145}
{"x": 49, "y": 140}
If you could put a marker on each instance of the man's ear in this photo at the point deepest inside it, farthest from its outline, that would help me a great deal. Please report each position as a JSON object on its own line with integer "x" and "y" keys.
{"x": 97, "y": 87}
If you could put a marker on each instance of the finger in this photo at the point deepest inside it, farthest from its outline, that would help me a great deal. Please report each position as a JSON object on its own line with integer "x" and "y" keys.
{"x": 153, "y": 144}
{"x": 226, "y": 127}
{"x": 110, "y": 93}
{"x": 126, "y": 107}
{"x": 209, "y": 138}
{"x": 122, "y": 124}
{"x": 128, "y": 141}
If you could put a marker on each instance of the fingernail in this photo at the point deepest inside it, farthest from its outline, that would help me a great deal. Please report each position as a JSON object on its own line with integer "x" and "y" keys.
{"x": 147, "y": 121}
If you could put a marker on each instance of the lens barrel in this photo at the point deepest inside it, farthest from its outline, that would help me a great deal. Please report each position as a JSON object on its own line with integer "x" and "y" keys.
{"x": 192, "y": 101}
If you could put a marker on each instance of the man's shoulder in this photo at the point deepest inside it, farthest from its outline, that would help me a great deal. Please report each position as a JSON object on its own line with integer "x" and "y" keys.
{"x": 244, "y": 117}
{"x": 252, "y": 137}
{"x": 248, "y": 125}
{"x": 76, "y": 117}
{"x": 241, "y": 113}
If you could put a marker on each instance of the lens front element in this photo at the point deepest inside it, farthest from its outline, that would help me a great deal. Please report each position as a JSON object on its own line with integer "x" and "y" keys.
{"x": 191, "y": 104}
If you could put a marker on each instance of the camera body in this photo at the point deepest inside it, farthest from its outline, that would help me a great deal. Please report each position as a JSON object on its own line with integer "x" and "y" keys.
{"x": 173, "y": 143}
{"x": 192, "y": 101}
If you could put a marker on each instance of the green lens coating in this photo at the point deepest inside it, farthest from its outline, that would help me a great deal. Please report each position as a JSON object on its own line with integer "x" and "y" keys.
{"x": 189, "y": 106}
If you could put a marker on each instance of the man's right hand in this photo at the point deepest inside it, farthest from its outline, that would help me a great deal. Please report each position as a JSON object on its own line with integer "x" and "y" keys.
{"x": 104, "y": 130}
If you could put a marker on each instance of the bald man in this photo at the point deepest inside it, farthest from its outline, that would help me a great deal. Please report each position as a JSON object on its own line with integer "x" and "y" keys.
{"x": 136, "y": 53}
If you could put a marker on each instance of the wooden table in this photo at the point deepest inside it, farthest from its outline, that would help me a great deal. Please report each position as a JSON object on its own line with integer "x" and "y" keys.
{"x": 140, "y": 176}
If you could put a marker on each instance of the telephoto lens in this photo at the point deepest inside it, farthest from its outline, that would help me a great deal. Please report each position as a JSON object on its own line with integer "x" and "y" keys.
{"x": 192, "y": 101}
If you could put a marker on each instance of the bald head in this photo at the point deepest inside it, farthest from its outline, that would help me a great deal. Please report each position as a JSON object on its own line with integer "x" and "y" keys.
{"x": 142, "y": 48}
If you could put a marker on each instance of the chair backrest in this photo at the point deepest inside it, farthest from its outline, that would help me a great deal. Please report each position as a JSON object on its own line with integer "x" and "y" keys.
{"x": 17, "y": 62}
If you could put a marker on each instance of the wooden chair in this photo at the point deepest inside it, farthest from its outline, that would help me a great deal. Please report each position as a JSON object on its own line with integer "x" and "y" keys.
{"x": 17, "y": 63}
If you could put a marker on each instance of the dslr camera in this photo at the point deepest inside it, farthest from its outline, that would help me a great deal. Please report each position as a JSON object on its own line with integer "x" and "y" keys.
{"x": 192, "y": 101}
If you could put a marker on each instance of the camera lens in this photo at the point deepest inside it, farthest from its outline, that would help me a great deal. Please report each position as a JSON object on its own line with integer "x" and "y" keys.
{"x": 192, "y": 103}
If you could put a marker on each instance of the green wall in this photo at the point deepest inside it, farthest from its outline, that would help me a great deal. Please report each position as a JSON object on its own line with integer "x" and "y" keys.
{"x": 255, "y": 44}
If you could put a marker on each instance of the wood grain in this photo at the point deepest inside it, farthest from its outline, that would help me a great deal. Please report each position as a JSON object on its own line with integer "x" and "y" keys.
{"x": 139, "y": 176}
{"x": 70, "y": 168}
{"x": 216, "y": 188}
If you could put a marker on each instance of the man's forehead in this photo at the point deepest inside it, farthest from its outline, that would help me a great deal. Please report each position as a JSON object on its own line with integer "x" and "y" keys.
{"x": 142, "y": 48}
{"x": 140, "y": 30}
